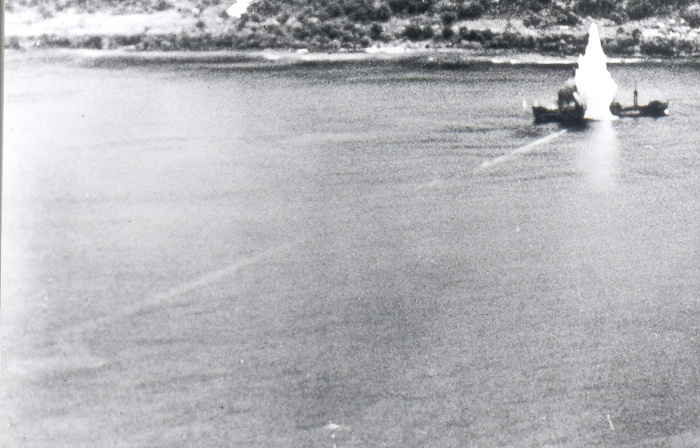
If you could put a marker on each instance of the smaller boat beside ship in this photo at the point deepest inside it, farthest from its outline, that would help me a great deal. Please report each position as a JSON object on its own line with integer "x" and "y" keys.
{"x": 654, "y": 109}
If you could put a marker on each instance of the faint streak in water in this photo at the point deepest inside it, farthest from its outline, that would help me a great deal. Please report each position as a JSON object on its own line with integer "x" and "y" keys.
{"x": 472, "y": 129}
{"x": 425, "y": 79}
{"x": 483, "y": 129}
{"x": 172, "y": 295}
{"x": 76, "y": 357}
{"x": 531, "y": 132}
{"x": 475, "y": 154}
{"x": 435, "y": 183}
{"x": 555, "y": 175}
{"x": 180, "y": 380}
{"x": 519, "y": 151}
{"x": 655, "y": 173}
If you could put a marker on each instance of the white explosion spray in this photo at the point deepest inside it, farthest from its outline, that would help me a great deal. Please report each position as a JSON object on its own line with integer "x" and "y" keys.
{"x": 238, "y": 8}
{"x": 595, "y": 86}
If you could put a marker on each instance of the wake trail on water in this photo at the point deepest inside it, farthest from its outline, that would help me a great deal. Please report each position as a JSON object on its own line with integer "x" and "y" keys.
{"x": 72, "y": 348}
{"x": 178, "y": 293}
{"x": 521, "y": 150}
{"x": 73, "y": 351}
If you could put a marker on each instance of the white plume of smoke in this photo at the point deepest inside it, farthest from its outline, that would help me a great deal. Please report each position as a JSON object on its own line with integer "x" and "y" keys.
{"x": 596, "y": 88}
{"x": 238, "y": 7}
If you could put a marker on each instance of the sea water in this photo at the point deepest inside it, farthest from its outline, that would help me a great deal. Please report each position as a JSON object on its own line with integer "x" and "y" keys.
{"x": 310, "y": 255}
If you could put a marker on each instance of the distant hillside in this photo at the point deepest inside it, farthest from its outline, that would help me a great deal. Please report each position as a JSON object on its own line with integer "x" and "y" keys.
{"x": 382, "y": 10}
{"x": 653, "y": 27}
{"x": 540, "y": 11}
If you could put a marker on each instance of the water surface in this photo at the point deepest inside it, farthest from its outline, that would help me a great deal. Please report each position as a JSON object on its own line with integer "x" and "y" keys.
{"x": 236, "y": 255}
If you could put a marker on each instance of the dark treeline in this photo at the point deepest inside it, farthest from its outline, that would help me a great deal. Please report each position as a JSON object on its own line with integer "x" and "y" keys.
{"x": 354, "y": 24}
{"x": 383, "y": 10}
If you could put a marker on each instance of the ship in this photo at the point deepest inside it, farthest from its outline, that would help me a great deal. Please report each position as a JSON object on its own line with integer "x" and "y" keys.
{"x": 571, "y": 112}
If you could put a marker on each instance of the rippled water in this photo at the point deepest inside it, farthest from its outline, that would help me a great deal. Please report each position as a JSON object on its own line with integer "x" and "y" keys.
{"x": 370, "y": 254}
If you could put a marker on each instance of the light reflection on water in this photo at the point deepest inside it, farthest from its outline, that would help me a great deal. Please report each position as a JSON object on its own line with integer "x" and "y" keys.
{"x": 599, "y": 158}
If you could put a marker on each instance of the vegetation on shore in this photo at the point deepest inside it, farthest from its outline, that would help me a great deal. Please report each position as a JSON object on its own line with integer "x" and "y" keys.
{"x": 632, "y": 27}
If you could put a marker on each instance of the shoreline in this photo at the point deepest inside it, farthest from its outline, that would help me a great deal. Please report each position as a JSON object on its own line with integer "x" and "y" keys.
{"x": 431, "y": 58}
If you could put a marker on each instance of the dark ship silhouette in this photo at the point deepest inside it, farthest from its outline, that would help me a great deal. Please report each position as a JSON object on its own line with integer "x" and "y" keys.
{"x": 570, "y": 111}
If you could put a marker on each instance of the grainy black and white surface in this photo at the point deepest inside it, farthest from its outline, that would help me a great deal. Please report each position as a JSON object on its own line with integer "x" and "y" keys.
{"x": 317, "y": 256}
